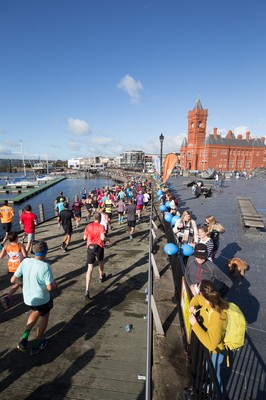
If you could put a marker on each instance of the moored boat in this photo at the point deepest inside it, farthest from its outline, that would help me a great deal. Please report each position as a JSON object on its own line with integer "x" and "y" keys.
{"x": 46, "y": 178}
{"x": 21, "y": 183}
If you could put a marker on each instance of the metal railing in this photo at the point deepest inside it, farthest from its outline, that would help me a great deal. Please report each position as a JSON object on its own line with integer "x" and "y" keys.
{"x": 203, "y": 382}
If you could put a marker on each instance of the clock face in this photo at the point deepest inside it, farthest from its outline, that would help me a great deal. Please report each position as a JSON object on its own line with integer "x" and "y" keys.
{"x": 200, "y": 124}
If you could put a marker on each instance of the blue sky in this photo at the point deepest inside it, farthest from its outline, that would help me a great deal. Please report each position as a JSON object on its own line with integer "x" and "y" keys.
{"x": 97, "y": 77}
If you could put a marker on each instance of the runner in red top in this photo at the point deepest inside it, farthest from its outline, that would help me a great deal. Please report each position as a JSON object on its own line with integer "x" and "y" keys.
{"x": 94, "y": 234}
{"x": 29, "y": 221}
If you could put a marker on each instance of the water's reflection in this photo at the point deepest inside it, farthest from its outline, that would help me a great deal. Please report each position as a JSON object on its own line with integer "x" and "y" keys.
{"x": 70, "y": 187}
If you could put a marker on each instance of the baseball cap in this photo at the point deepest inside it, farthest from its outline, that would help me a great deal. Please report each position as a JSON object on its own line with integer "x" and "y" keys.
{"x": 201, "y": 251}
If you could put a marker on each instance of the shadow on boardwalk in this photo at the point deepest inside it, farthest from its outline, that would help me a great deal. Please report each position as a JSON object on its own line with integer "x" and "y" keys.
{"x": 89, "y": 354}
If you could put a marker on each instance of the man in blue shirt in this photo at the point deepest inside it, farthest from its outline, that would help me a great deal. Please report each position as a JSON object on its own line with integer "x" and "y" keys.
{"x": 38, "y": 282}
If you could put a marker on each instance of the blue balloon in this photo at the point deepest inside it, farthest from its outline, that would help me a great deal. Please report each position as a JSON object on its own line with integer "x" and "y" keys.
{"x": 163, "y": 208}
{"x": 167, "y": 204}
{"x": 168, "y": 216}
{"x": 174, "y": 219}
{"x": 159, "y": 193}
{"x": 170, "y": 249}
{"x": 187, "y": 250}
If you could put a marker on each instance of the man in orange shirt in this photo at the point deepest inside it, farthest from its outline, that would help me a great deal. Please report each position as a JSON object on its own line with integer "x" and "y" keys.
{"x": 95, "y": 235}
{"x": 6, "y": 215}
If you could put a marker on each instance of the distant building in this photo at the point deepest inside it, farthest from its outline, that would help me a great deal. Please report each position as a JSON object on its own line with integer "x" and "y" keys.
{"x": 133, "y": 159}
{"x": 230, "y": 153}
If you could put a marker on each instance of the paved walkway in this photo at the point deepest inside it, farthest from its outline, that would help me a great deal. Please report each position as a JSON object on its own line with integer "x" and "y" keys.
{"x": 247, "y": 380}
{"x": 89, "y": 353}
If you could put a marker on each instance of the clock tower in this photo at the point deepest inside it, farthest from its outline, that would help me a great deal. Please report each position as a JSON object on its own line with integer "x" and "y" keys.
{"x": 197, "y": 122}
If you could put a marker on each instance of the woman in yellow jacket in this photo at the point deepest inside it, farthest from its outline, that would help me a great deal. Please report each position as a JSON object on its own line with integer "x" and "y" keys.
{"x": 211, "y": 331}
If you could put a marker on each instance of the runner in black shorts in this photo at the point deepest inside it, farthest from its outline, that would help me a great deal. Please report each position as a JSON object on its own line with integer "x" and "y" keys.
{"x": 43, "y": 309}
{"x": 94, "y": 252}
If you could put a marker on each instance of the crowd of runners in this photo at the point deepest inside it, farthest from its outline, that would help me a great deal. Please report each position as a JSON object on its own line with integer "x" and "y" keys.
{"x": 27, "y": 265}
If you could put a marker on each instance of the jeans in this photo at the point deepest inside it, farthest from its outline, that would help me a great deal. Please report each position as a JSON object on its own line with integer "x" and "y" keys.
{"x": 217, "y": 360}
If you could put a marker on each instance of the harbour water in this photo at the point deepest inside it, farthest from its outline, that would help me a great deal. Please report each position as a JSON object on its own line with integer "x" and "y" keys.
{"x": 70, "y": 188}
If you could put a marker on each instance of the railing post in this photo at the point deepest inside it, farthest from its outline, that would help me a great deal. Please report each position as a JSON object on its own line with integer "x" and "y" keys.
{"x": 41, "y": 212}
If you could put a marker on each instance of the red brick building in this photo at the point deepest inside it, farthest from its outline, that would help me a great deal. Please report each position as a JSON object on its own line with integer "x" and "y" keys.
{"x": 230, "y": 153}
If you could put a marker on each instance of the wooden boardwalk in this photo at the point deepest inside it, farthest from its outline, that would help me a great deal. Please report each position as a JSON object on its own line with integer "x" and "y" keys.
{"x": 89, "y": 354}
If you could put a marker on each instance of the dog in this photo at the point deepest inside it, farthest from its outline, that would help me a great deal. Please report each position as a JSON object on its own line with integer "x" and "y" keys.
{"x": 237, "y": 265}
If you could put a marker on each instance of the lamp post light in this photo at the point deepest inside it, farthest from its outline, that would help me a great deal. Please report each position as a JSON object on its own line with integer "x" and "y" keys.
{"x": 161, "y": 137}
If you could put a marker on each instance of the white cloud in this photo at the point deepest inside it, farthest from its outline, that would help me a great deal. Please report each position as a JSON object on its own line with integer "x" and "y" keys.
{"x": 5, "y": 152}
{"x": 131, "y": 87}
{"x": 11, "y": 143}
{"x": 78, "y": 126}
{"x": 240, "y": 130}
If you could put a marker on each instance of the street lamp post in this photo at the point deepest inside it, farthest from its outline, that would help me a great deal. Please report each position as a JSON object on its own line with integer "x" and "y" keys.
{"x": 161, "y": 137}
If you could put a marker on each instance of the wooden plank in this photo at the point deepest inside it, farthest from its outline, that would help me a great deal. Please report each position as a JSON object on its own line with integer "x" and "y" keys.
{"x": 254, "y": 224}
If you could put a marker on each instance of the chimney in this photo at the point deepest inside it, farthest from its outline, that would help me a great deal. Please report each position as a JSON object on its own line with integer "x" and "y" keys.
{"x": 229, "y": 134}
{"x": 262, "y": 139}
{"x": 215, "y": 133}
{"x": 239, "y": 137}
{"x": 248, "y": 136}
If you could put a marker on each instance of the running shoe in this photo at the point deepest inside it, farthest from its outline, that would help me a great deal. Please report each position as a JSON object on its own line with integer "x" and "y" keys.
{"x": 23, "y": 345}
{"x": 87, "y": 295}
{"x": 5, "y": 302}
{"x": 36, "y": 350}
{"x": 103, "y": 278}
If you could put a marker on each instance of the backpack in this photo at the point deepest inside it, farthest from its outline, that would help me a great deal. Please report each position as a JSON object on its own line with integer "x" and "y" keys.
{"x": 235, "y": 331}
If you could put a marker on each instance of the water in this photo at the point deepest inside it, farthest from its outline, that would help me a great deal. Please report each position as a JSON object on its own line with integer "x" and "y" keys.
{"x": 70, "y": 188}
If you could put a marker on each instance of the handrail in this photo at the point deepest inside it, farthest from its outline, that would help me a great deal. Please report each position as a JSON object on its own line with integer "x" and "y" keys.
{"x": 202, "y": 377}
{"x": 148, "y": 386}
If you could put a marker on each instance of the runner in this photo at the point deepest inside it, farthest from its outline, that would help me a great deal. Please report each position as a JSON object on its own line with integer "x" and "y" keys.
{"x": 65, "y": 218}
{"x": 29, "y": 220}
{"x": 16, "y": 253}
{"x": 38, "y": 282}
{"x": 6, "y": 215}
{"x": 76, "y": 208}
{"x": 131, "y": 218}
{"x": 94, "y": 234}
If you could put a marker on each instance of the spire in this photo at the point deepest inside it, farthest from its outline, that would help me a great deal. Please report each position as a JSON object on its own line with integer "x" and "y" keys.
{"x": 198, "y": 105}
{"x": 184, "y": 143}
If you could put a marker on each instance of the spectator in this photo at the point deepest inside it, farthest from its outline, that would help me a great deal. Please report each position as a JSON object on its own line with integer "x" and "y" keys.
{"x": 198, "y": 267}
{"x": 185, "y": 229}
{"x": 211, "y": 331}
{"x": 204, "y": 238}
{"x": 214, "y": 230}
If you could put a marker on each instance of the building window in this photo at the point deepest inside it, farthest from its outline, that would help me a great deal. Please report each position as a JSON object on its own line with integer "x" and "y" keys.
{"x": 223, "y": 152}
{"x": 214, "y": 153}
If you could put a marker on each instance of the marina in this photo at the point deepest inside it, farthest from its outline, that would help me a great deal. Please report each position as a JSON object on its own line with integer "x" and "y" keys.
{"x": 23, "y": 195}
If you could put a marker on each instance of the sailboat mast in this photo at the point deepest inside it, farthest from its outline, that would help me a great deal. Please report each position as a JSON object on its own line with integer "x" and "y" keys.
{"x": 23, "y": 160}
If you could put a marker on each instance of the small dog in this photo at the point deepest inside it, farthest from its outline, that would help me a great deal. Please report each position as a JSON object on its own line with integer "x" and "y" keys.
{"x": 236, "y": 264}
